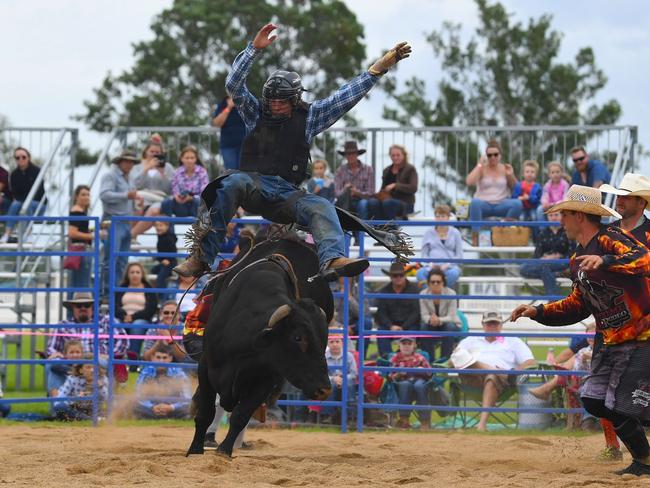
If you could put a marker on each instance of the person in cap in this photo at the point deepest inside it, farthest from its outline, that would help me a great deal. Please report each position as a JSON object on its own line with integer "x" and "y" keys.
{"x": 609, "y": 271}
{"x": 274, "y": 160}
{"x": 491, "y": 352}
{"x": 397, "y": 314}
{"x": 632, "y": 198}
{"x": 117, "y": 193}
{"x": 80, "y": 327}
{"x": 354, "y": 182}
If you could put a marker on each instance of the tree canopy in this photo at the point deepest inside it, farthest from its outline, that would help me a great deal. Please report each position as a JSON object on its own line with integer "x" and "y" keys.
{"x": 179, "y": 75}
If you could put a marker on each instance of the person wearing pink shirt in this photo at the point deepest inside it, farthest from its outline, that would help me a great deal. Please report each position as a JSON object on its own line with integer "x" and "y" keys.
{"x": 554, "y": 190}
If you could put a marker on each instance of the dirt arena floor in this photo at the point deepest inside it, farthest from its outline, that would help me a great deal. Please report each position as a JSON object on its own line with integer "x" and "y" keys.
{"x": 146, "y": 456}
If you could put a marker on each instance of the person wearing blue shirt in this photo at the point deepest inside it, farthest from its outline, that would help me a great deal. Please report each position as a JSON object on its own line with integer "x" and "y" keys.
{"x": 233, "y": 132}
{"x": 588, "y": 172}
{"x": 275, "y": 158}
{"x": 163, "y": 392}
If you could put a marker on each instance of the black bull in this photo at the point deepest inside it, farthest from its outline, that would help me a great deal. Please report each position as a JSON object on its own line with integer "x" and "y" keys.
{"x": 268, "y": 323}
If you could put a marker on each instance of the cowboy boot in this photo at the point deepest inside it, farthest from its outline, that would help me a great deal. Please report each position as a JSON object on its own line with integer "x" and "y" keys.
{"x": 344, "y": 267}
{"x": 191, "y": 267}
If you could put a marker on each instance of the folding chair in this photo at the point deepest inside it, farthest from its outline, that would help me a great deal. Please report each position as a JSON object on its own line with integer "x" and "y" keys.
{"x": 467, "y": 396}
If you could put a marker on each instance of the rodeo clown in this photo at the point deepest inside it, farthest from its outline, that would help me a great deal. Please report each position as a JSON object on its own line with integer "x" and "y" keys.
{"x": 275, "y": 158}
{"x": 609, "y": 271}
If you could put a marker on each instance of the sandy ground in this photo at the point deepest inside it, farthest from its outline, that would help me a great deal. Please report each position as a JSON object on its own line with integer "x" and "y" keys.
{"x": 154, "y": 456}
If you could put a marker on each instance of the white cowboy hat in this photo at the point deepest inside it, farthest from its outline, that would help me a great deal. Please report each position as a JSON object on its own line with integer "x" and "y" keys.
{"x": 462, "y": 358}
{"x": 584, "y": 199}
{"x": 633, "y": 185}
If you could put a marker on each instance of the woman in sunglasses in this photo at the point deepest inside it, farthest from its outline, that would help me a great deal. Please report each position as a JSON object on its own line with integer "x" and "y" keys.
{"x": 166, "y": 320}
{"x": 21, "y": 181}
{"x": 493, "y": 181}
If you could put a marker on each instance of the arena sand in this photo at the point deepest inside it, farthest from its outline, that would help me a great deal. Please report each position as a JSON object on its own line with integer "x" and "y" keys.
{"x": 68, "y": 456}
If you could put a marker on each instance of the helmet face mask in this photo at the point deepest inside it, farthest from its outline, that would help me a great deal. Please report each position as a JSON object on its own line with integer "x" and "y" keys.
{"x": 281, "y": 85}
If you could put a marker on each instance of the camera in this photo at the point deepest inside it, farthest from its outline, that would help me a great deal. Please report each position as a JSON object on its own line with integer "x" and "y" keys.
{"x": 162, "y": 159}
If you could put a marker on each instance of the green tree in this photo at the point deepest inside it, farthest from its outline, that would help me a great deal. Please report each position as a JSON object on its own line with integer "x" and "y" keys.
{"x": 179, "y": 75}
{"x": 507, "y": 73}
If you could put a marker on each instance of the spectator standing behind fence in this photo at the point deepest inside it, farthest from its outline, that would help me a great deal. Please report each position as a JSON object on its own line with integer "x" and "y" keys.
{"x": 5, "y": 191}
{"x": 117, "y": 194}
{"x": 188, "y": 183}
{"x": 588, "y": 172}
{"x": 399, "y": 182}
{"x": 491, "y": 352}
{"x": 55, "y": 374}
{"x": 163, "y": 391}
{"x": 320, "y": 183}
{"x": 21, "y": 181}
{"x": 334, "y": 357}
{"x": 233, "y": 130}
{"x": 166, "y": 242}
{"x": 438, "y": 314}
{"x": 493, "y": 180}
{"x": 81, "y": 327}
{"x": 528, "y": 191}
{"x": 554, "y": 189}
{"x": 396, "y": 314}
{"x": 154, "y": 178}
{"x": 354, "y": 182}
{"x": 166, "y": 324}
{"x": 551, "y": 243}
{"x": 410, "y": 386}
{"x": 441, "y": 242}
{"x": 80, "y": 383}
{"x": 80, "y": 237}
{"x": 135, "y": 307}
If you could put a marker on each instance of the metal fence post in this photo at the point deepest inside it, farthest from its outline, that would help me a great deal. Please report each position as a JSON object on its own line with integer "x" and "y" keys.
{"x": 111, "y": 311}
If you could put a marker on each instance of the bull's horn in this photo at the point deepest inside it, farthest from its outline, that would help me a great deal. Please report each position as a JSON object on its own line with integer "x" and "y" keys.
{"x": 323, "y": 312}
{"x": 281, "y": 312}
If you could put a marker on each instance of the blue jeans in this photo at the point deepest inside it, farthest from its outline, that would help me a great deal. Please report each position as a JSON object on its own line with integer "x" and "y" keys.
{"x": 545, "y": 272}
{"x": 80, "y": 278}
{"x": 336, "y": 394}
{"x": 389, "y": 209}
{"x": 413, "y": 389}
{"x": 123, "y": 244}
{"x": 540, "y": 215}
{"x": 170, "y": 206}
{"x": 65, "y": 411}
{"x": 509, "y": 208}
{"x": 230, "y": 157}
{"x": 135, "y": 345}
{"x": 14, "y": 209}
{"x": 162, "y": 276}
{"x": 54, "y": 378}
{"x": 311, "y": 211}
{"x": 452, "y": 273}
{"x": 447, "y": 343}
{"x": 360, "y": 207}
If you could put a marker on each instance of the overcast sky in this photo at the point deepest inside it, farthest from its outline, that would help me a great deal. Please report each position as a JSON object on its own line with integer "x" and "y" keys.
{"x": 55, "y": 52}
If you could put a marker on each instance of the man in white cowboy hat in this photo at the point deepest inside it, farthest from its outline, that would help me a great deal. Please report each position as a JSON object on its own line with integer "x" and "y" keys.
{"x": 354, "y": 181}
{"x": 632, "y": 198}
{"x": 117, "y": 193}
{"x": 82, "y": 305}
{"x": 609, "y": 271}
{"x": 491, "y": 352}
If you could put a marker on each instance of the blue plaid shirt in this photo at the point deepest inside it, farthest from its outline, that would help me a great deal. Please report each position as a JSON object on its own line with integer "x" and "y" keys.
{"x": 322, "y": 113}
{"x": 174, "y": 384}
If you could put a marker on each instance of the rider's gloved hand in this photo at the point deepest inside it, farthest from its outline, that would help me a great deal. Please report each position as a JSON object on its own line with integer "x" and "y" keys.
{"x": 388, "y": 60}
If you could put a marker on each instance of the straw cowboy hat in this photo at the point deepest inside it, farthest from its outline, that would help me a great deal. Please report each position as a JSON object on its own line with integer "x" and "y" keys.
{"x": 584, "y": 199}
{"x": 126, "y": 156}
{"x": 632, "y": 185}
{"x": 462, "y": 358}
{"x": 350, "y": 147}
{"x": 79, "y": 297}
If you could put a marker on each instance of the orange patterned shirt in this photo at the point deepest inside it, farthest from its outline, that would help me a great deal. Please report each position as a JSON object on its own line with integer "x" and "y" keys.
{"x": 617, "y": 293}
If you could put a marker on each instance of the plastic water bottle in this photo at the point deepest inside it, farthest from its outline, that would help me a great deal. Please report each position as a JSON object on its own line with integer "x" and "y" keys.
{"x": 550, "y": 356}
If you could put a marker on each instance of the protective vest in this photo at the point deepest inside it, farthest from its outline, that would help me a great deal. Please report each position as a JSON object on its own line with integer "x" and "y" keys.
{"x": 278, "y": 149}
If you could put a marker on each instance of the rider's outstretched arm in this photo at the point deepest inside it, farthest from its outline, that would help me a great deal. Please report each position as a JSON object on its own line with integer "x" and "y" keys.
{"x": 246, "y": 103}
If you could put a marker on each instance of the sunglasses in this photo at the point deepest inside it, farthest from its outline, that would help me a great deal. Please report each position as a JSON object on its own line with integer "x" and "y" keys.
{"x": 82, "y": 305}
{"x": 577, "y": 160}
{"x": 492, "y": 155}
{"x": 435, "y": 282}
{"x": 168, "y": 312}
{"x": 20, "y": 158}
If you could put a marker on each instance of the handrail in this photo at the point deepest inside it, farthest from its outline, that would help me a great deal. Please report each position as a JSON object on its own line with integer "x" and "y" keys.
{"x": 620, "y": 163}
{"x": 99, "y": 164}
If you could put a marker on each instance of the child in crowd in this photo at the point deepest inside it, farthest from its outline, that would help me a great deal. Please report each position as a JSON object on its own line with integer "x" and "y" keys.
{"x": 163, "y": 392}
{"x": 440, "y": 242}
{"x": 410, "y": 386}
{"x": 320, "y": 183}
{"x": 528, "y": 190}
{"x": 80, "y": 383}
{"x": 555, "y": 188}
{"x": 56, "y": 374}
{"x": 334, "y": 357}
{"x": 166, "y": 243}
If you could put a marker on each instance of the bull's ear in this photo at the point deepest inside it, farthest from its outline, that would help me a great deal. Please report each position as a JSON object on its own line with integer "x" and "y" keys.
{"x": 264, "y": 338}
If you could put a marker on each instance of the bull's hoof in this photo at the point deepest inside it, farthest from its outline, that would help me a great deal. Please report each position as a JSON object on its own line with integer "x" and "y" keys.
{"x": 224, "y": 452}
{"x": 194, "y": 450}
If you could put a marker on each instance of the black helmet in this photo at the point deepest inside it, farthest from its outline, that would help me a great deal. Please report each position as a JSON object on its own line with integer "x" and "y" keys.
{"x": 281, "y": 85}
